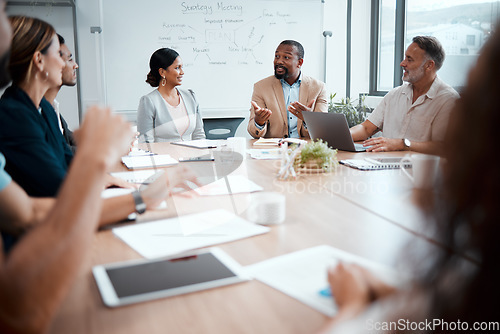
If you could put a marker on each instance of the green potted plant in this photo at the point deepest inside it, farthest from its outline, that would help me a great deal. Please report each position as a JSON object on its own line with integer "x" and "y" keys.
{"x": 355, "y": 114}
{"x": 316, "y": 156}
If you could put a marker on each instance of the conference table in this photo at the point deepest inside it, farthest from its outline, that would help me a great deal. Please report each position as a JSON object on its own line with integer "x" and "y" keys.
{"x": 372, "y": 214}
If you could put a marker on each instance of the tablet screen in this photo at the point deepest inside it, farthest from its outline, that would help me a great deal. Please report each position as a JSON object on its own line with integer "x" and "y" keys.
{"x": 166, "y": 274}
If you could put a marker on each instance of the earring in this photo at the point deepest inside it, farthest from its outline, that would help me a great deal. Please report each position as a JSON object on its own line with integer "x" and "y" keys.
{"x": 163, "y": 81}
{"x": 46, "y": 76}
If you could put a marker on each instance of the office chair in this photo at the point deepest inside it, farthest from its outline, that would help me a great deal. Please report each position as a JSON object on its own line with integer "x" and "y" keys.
{"x": 221, "y": 128}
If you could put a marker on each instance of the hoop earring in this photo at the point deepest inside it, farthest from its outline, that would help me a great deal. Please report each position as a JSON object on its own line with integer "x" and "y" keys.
{"x": 163, "y": 82}
{"x": 46, "y": 76}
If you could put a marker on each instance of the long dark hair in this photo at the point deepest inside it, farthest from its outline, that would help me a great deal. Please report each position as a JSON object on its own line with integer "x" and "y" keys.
{"x": 470, "y": 225}
{"x": 161, "y": 58}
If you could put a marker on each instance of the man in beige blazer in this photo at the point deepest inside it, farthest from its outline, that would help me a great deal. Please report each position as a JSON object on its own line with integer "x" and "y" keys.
{"x": 278, "y": 101}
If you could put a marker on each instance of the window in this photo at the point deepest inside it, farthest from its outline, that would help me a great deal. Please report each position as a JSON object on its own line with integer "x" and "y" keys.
{"x": 471, "y": 40}
{"x": 386, "y": 44}
{"x": 462, "y": 27}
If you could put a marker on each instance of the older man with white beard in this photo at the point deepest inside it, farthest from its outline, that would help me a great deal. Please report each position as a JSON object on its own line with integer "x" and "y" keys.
{"x": 415, "y": 115}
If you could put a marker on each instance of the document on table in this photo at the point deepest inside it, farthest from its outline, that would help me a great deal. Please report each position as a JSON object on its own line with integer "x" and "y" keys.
{"x": 266, "y": 154}
{"x": 114, "y": 192}
{"x": 303, "y": 274}
{"x": 149, "y": 161}
{"x": 267, "y": 142}
{"x": 138, "y": 176}
{"x": 137, "y": 152}
{"x": 200, "y": 143}
{"x": 176, "y": 235}
{"x": 237, "y": 184}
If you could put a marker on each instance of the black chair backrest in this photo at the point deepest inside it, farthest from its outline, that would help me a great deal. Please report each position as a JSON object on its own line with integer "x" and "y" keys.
{"x": 221, "y": 128}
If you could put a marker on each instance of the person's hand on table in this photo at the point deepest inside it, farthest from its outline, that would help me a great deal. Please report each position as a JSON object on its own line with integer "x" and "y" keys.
{"x": 355, "y": 287}
{"x": 349, "y": 288}
{"x": 262, "y": 115}
{"x": 382, "y": 144}
{"x": 296, "y": 108}
{"x": 169, "y": 181}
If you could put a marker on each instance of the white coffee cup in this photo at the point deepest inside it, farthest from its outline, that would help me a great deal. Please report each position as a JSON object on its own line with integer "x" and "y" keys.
{"x": 239, "y": 145}
{"x": 425, "y": 169}
{"x": 267, "y": 208}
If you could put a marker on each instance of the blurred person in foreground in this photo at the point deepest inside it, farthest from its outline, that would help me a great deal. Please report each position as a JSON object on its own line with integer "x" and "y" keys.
{"x": 36, "y": 154}
{"x": 37, "y": 274}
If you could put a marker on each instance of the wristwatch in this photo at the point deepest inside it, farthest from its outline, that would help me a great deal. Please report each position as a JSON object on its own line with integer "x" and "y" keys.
{"x": 407, "y": 143}
{"x": 140, "y": 206}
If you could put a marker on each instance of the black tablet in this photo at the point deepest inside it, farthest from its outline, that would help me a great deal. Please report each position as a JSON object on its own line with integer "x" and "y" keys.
{"x": 141, "y": 280}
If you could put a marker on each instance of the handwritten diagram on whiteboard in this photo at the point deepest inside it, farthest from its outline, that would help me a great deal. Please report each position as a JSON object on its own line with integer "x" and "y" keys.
{"x": 226, "y": 46}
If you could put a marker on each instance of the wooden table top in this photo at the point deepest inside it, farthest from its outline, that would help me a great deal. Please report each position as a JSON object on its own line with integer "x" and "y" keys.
{"x": 371, "y": 214}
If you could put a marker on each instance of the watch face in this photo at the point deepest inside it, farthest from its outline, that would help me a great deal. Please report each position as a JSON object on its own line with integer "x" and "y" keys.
{"x": 140, "y": 208}
{"x": 407, "y": 142}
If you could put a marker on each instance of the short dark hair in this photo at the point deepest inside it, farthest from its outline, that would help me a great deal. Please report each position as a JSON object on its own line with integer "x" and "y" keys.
{"x": 61, "y": 39}
{"x": 300, "y": 48}
{"x": 432, "y": 47}
{"x": 161, "y": 58}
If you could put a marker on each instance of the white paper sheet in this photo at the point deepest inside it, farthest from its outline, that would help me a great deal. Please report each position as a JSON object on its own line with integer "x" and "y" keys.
{"x": 266, "y": 154}
{"x": 303, "y": 274}
{"x": 267, "y": 142}
{"x": 200, "y": 143}
{"x": 180, "y": 234}
{"x": 149, "y": 161}
{"x": 237, "y": 183}
{"x": 137, "y": 176}
{"x": 137, "y": 152}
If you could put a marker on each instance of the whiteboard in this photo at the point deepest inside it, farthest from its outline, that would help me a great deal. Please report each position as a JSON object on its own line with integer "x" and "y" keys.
{"x": 226, "y": 46}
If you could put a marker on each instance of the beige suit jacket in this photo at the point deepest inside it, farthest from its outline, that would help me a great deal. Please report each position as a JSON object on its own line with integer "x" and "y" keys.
{"x": 268, "y": 93}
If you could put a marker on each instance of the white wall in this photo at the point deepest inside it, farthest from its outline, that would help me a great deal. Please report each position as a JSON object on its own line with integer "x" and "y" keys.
{"x": 90, "y": 72}
{"x": 336, "y": 21}
{"x": 360, "y": 47}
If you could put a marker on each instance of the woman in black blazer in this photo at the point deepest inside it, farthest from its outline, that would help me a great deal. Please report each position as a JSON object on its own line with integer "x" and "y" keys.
{"x": 37, "y": 156}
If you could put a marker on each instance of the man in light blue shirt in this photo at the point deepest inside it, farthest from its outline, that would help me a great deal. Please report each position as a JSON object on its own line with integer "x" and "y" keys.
{"x": 291, "y": 94}
{"x": 278, "y": 101}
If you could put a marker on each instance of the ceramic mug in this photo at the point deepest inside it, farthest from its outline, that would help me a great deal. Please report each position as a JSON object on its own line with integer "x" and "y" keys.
{"x": 425, "y": 169}
{"x": 267, "y": 208}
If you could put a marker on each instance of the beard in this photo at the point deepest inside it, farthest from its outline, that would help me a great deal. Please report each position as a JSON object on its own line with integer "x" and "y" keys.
{"x": 415, "y": 75}
{"x": 4, "y": 73}
{"x": 281, "y": 76}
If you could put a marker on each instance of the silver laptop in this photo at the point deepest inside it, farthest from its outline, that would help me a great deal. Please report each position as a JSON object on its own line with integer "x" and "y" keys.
{"x": 332, "y": 128}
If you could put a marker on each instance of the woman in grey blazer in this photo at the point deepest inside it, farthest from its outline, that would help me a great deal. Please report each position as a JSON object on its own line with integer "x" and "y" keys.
{"x": 168, "y": 113}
